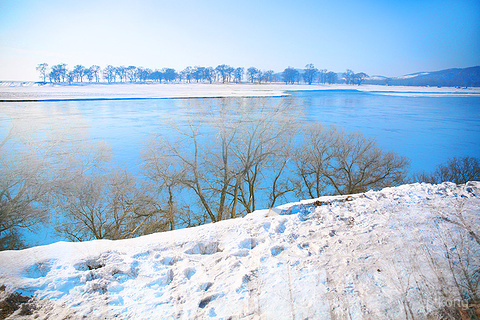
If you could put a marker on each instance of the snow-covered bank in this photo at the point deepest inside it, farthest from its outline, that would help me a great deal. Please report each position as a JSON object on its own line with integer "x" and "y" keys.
{"x": 377, "y": 255}
{"x": 11, "y": 91}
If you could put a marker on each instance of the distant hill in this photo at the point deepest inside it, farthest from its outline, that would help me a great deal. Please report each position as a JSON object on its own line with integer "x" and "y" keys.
{"x": 456, "y": 77}
{"x": 466, "y": 77}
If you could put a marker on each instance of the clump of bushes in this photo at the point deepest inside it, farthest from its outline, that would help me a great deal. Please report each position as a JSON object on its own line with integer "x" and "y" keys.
{"x": 458, "y": 170}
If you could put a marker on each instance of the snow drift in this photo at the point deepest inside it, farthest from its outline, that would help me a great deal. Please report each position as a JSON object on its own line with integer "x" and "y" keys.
{"x": 401, "y": 252}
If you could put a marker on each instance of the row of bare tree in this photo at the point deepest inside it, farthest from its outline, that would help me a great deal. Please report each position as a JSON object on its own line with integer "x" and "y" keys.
{"x": 247, "y": 154}
{"x": 223, "y": 73}
{"x": 232, "y": 157}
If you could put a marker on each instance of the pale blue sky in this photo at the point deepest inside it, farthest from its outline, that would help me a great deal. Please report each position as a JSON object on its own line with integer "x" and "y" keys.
{"x": 386, "y": 37}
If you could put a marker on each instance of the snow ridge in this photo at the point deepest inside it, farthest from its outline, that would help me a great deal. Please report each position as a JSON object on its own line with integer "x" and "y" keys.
{"x": 380, "y": 255}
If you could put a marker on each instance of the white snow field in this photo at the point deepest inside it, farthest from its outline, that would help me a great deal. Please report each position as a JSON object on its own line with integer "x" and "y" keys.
{"x": 31, "y": 91}
{"x": 398, "y": 253}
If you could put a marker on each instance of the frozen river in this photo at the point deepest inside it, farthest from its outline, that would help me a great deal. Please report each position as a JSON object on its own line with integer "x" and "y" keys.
{"x": 428, "y": 130}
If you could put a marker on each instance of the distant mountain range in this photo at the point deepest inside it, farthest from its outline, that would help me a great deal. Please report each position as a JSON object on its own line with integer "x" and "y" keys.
{"x": 455, "y": 77}
{"x": 466, "y": 77}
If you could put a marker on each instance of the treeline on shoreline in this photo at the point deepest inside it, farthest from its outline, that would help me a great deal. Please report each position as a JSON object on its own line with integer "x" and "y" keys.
{"x": 233, "y": 157}
{"x": 223, "y": 73}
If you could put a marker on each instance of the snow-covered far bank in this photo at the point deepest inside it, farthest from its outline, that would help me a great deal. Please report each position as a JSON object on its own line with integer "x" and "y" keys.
{"x": 31, "y": 91}
{"x": 398, "y": 253}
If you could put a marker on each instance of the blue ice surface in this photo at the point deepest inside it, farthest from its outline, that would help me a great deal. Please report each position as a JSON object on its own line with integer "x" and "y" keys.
{"x": 427, "y": 130}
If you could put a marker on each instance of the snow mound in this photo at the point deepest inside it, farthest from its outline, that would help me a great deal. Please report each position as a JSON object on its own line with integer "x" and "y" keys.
{"x": 387, "y": 254}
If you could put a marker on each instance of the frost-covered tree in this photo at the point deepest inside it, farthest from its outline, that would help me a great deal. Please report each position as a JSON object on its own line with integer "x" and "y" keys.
{"x": 359, "y": 77}
{"x": 332, "y": 161}
{"x": 50, "y": 175}
{"x": 144, "y": 74}
{"x": 349, "y": 76}
{"x": 80, "y": 72}
{"x": 198, "y": 73}
{"x": 331, "y": 77}
{"x": 23, "y": 188}
{"x": 238, "y": 74}
{"x": 225, "y": 72}
{"x": 37, "y": 160}
{"x": 96, "y": 71}
{"x": 169, "y": 74}
{"x": 252, "y": 74}
{"x": 109, "y": 205}
{"x": 58, "y": 73}
{"x": 227, "y": 163}
{"x": 291, "y": 75}
{"x": 458, "y": 170}
{"x": 210, "y": 74}
{"x": 109, "y": 73}
{"x": 187, "y": 74}
{"x": 89, "y": 73}
{"x": 71, "y": 76}
{"x": 156, "y": 75}
{"x": 43, "y": 69}
{"x": 309, "y": 73}
{"x": 322, "y": 76}
{"x": 132, "y": 73}
{"x": 268, "y": 76}
{"x": 121, "y": 72}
